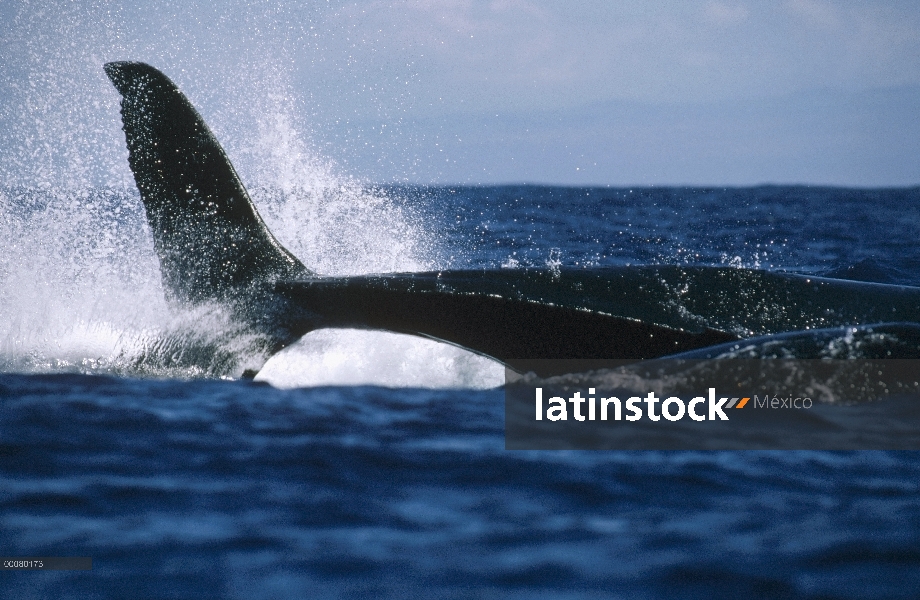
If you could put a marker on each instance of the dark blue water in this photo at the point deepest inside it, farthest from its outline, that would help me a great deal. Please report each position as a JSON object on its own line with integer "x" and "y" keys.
{"x": 202, "y": 487}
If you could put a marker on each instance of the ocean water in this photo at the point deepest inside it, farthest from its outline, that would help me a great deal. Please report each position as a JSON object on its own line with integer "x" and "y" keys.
{"x": 361, "y": 464}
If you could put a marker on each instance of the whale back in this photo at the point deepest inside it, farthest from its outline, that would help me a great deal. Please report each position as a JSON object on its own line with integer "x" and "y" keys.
{"x": 210, "y": 240}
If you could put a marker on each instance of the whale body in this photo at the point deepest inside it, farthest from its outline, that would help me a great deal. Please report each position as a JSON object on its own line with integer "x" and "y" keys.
{"x": 213, "y": 246}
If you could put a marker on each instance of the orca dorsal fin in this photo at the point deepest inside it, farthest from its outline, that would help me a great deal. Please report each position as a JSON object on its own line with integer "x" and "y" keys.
{"x": 211, "y": 242}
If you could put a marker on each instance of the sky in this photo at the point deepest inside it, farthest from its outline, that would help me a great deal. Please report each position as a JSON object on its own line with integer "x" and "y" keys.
{"x": 720, "y": 93}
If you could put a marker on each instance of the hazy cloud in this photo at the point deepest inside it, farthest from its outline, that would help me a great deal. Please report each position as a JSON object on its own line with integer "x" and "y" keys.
{"x": 416, "y": 89}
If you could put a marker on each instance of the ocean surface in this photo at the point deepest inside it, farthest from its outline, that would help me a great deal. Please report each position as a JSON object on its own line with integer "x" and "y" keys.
{"x": 370, "y": 465}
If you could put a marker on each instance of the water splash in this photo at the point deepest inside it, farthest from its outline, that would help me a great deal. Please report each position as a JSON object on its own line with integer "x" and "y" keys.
{"x": 79, "y": 281}
{"x": 354, "y": 357}
{"x": 348, "y": 229}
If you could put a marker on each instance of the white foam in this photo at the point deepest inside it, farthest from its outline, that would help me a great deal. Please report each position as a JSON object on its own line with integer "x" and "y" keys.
{"x": 357, "y": 357}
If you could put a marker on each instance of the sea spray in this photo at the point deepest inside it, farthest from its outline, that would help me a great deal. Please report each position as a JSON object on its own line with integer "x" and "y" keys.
{"x": 79, "y": 280}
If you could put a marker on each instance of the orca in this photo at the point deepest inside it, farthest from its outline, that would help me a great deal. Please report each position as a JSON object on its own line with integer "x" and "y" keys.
{"x": 213, "y": 247}
{"x": 896, "y": 341}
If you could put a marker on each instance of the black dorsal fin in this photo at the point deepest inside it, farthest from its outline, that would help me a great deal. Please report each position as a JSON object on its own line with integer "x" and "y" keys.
{"x": 211, "y": 242}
